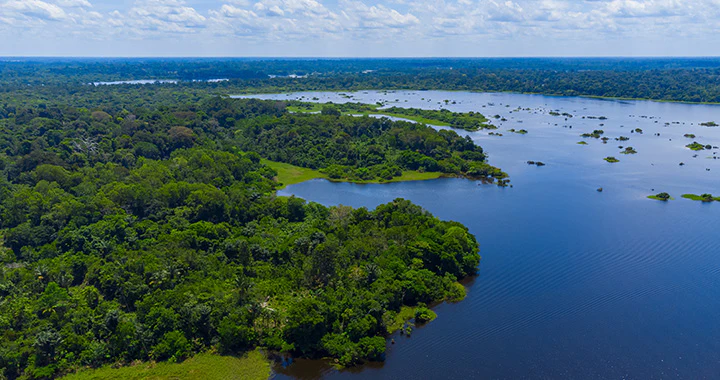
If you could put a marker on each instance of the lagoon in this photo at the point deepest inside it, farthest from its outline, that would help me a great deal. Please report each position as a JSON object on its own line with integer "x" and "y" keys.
{"x": 574, "y": 283}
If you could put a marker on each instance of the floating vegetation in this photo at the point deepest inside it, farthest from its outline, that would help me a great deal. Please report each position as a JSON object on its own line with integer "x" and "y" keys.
{"x": 611, "y": 159}
{"x": 702, "y": 198}
{"x": 629, "y": 150}
{"x": 595, "y": 134}
{"x": 660, "y": 197}
{"x": 697, "y": 146}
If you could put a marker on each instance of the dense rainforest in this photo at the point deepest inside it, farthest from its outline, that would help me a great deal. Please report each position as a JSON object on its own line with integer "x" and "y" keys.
{"x": 141, "y": 222}
{"x": 671, "y": 79}
{"x": 150, "y": 230}
{"x": 363, "y": 148}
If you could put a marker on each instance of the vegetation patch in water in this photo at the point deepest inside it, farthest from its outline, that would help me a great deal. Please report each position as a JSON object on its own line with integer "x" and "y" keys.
{"x": 596, "y": 134}
{"x": 629, "y": 150}
{"x": 660, "y": 197}
{"x": 702, "y": 197}
{"x": 697, "y": 146}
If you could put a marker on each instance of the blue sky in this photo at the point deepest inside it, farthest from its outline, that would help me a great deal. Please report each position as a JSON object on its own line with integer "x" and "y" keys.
{"x": 360, "y": 28}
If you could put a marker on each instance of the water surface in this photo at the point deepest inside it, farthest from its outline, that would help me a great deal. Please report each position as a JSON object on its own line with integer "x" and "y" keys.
{"x": 573, "y": 283}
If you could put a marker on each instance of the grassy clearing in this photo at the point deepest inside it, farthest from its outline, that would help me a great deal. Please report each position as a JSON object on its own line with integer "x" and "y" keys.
{"x": 290, "y": 174}
{"x": 252, "y": 366}
{"x": 315, "y": 107}
{"x": 408, "y": 175}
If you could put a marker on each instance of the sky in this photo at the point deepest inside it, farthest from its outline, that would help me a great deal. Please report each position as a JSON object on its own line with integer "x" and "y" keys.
{"x": 359, "y": 28}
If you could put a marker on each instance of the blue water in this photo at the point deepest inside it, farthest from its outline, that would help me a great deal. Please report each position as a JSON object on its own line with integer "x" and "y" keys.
{"x": 573, "y": 283}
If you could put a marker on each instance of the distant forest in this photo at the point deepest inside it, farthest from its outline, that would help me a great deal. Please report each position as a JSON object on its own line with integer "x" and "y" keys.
{"x": 668, "y": 79}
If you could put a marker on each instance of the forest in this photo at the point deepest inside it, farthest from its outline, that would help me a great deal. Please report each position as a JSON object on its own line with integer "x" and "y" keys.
{"x": 667, "y": 79}
{"x": 363, "y": 148}
{"x": 142, "y": 223}
{"x": 136, "y": 230}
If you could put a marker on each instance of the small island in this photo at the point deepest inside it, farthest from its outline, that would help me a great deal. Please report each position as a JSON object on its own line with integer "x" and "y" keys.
{"x": 595, "y": 134}
{"x": 582, "y": 143}
{"x": 611, "y": 159}
{"x": 661, "y": 197}
{"x": 707, "y": 198}
{"x": 520, "y": 131}
{"x": 629, "y": 150}
{"x": 697, "y": 146}
{"x": 709, "y": 124}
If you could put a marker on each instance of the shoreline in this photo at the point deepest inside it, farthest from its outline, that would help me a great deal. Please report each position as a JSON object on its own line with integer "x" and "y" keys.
{"x": 598, "y": 97}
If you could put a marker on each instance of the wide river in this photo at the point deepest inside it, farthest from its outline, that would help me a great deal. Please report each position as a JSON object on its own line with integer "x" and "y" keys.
{"x": 573, "y": 283}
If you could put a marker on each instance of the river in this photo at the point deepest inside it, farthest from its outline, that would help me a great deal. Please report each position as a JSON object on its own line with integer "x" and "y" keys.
{"x": 573, "y": 282}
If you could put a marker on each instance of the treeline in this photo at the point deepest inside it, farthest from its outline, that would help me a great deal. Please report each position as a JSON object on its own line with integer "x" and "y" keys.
{"x": 137, "y": 233}
{"x": 362, "y": 148}
{"x": 672, "y": 79}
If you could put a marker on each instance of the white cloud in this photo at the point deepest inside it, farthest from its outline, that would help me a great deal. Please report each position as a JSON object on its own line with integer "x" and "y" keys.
{"x": 32, "y": 9}
{"x": 362, "y": 16}
{"x": 74, "y": 3}
{"x": 158, "y": 16}
{"x": 268, "y": 22}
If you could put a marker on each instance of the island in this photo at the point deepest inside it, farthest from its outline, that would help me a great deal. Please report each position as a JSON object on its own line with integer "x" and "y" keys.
{"x": 702, "y": 198}
{"x": 469, "y": 121}
{"x": 697, "y": 146}
{"x": 611, "y": 159}
{"x": 628, "y": 150}
{"x": 660, "y": 197}
{"x": 363, "y": 149}
{"x": 596, "y": 134}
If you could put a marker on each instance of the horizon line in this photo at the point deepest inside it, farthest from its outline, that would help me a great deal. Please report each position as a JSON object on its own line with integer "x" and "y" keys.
{"x": 359, "y": 57}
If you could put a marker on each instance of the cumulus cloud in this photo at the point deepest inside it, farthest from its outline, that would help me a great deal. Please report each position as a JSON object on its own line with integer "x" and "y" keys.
{"x": 32, "y": 9}
{"x": 158, "y": 16}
